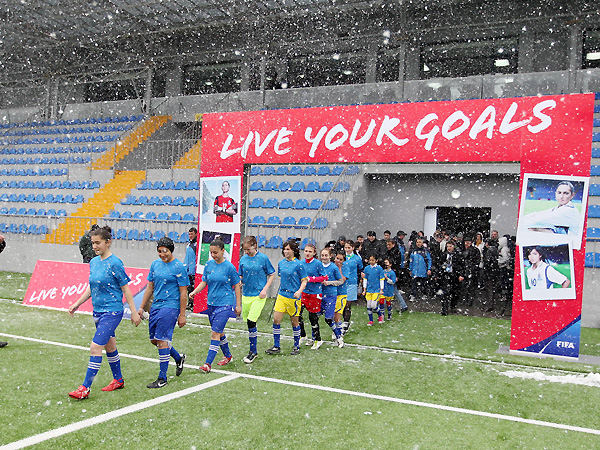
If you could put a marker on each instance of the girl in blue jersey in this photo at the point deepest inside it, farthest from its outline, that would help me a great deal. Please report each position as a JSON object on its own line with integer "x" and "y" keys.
{"x": 342, "y": 294}
{"x": 224, "y": 297}
{"x": 293, "y": 281}
{"x": 330, "y": 290}
{"x": 373, "y": 283}
{"x": 257, "y": 275}
{"x": 388, "y": 286}
{"x": 355, "y": 266}
{"x": 312, "y": 295}
{"x": 107, "y": 284}
{"x": 168, "y": 281}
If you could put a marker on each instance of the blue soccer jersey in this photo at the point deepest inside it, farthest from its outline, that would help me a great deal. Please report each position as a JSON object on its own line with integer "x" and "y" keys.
{"x": 220, "y": 279}
{"x": 343, "y": 288}
{"x": 106, "y": 279}
{"x": 254, "y": 271}
{"x": 333, "y": 274}
{"x": 354, "y": 265}
{"x": 292, "y": 273}
{"x": 388, "y": 288}
{"x": 373, "y": 275}
{"x": 313, "y": 269}
{"x": 167, "y": 278}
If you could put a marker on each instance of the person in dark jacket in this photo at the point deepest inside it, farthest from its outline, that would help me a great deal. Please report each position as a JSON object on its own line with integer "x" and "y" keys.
{"x": 373, "y": 247}
{"x": 450, "y": 270}
{"x": 85, "y": 245}
{"x": 471, "y": 258}
{"x": 420, "y": 268}
{"x": 491, "y": 271}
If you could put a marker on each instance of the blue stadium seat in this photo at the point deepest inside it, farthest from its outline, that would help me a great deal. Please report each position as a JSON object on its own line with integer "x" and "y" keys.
{"x": 21, "y": 211}
{"x": 286, "y": 203}
{"x": 262, "y": 240}
{"x": 256, "y": 203}
{"x": 41, "y": 212}
{"x": 146, "y": 235}
{"x": 133, "y": 235}
{"x": 282, "y": 171}
{"x": 303, "y": 222}
{"x": 167, "y": 200}
{"x": 189, "y": 217}
{"x": 138, "y": 215}
{"x": 120, "y": 234}
{"x": 126, "y": 215}
{"x": 142, "y": 200}
{"x": 275, "y": 242}
{"x": 332, "y": 203}
{"x": 256, "y": 170}
{"x": 193, "y": 186}
{"x": 271, "y": 203}
{"x": 284, "y": 186}
{"x": 592, "y": 259}
{"x": 594, "y": 190}
{"x": 270, "y": 186}
{"x": 295, "y": 170}
{"x": 326, "y": 187}
{"x": 3, "y": 210}
{"x": 175, "y": 217}
{"x": 256, "y": 186}
{"x": 269, "y": 170}
{"x": 309, "y": 170}
{"x": 595, "y": 152}
{"x": 145, "y": 186}
{"x": 180, "y": 186}
{"x": 288, "y": 222}
{"x": 593, "y": 233}
{"x": 158, "y": 234}
{"x": 312, "y": 186}
{"x": 114, "y": 214}
{"x": 320, "y": 223}
{"x": 337, "y": 170}
{"x": 342, "y": 186}
{"x": 48, "y": 198}
{"x": 301, "y": 203}
{"x": 61, "y": 213}
{"x": 298, "y": 186}
{"x": 51, "y": 212}
{"x": 42, "y": 229}
{"x": 273, "y": 221}
{"x": 323, "y": 170}
{"x": 158, "y": 185}
{"x": 31, "y": 212}
{"x": 155, "y": 201}
{"x": 256, "y": 221}
{"x": 163, "y": 217}
{"x": 352, "y": 170}
{"x": 315, "y": 203}
{"x": 191, "y": 201}
{"x": 169, "y": 185}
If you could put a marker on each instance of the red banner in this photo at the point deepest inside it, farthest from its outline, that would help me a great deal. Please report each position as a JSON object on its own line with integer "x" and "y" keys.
{"x": 56, "y": 284}
{"x": 549, "y": 134}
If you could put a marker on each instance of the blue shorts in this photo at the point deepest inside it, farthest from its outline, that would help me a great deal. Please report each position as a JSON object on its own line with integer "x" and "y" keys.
{"x": 218, "y": 316}
{"x": 162, "y": 323}
{"x": 352, "y": 292}
{"x": 106, "y": 324}
{"x": 328, "y": 306}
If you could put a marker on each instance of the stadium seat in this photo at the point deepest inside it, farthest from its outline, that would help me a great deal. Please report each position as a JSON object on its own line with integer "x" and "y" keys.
{"x": 256, "y": 186}
{"x": 120, "y": 234}
{"x": 281, "y": 172}
{"x": 593, "y": 233}
{"x": 273, "y": 221}
{"x": 169, "y": 185}
{"x": 41, "y": 212}
{"x": 256, "y": 221}
{"x": 184, "y": 237}
{"x": 309, "y": 171}
{"x": 256, "y": 203}
{"x": 256, "y": 170}
{"x": 312, "y": 186}
{"x": 337, "y": 170}
{"x": 167, "y": 200}
{"x": 352, "y": 170}
{"x": 307, "y": 241}
{"x": 271, "y": 203}
{"x": 61, "y": 213}
{"x": 298, "y": 186}
{"x": 145, "y": 186}
{"x": 332, "y": 203}
{"x": 133, "y": 235}
{"x": 326, "y": 187}
{"x": 42, "y": 229}
{"x": 596, "y": 152}
{"x": 320, "y": 223}
{"x": 323, "y": 170}
{"x": 284, "y": 186}
{"x": 126, "y": 215}
{"x": 146, "y": 235}
{"x": 275, "y": 242}
{"x": 158, "y": 234}
{"x": 594, "y": 190}
{"x": 21, "y": 211}
{"x": 286, "y": 203}
{"x": 138, "y": 215}
{"x": 114, "y": 214}
{"x": 158, "y": 185}
{"x": 32, "y": 229}
{"x": 295, "y": 170}
{"x": 288, "y": 222}
{"x": 303, "y": 222}
{"x": 270, "y": 186}
{"x": 193, "y": 186}
{"x": 173, "y": 235}
{"x": 262, "y": 240}
{"x": 180, "y": 186}
{"x": 269, "y": 170}
{"x": 175, "y": 217}
{"x": 189, "y": 217}
{"x": 191, "y": 201}
{"x": 155, "y": 201}
{"x": 592, "y": 259}
{"x": 342, "y": 186}
{"x": 142, "y": 200}
{"x": 163, "y": 217}
{"x": 51, "y": 212}
{"x": 315, "y": 203}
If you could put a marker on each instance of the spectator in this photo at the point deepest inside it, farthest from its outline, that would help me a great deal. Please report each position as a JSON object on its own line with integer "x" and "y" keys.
{"x": 494, "y": 236}
{"x": 450, "y": 273}
{"x": 506, "y": 268}
{"x": 339, "y": 245}
{"x": 491, "y": 273}
{"x": 189, "y": 262}
{"x": 479, "y": 244}
{"x": 372, "y": 247}
{"x": 85, "y": 245}
{"x": 387, "y": 235}
{"x": 395, "y": 255}
{"x": 471, "y": 260}
{"x": 420, "y": 268}
{"x": 399, "y": 239}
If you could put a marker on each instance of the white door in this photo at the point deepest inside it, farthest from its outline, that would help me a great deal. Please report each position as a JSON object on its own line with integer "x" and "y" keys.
{"x": 429, "y": 221}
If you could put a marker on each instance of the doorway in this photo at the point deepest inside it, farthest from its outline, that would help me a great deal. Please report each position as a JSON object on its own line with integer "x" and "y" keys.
{"x": 460, "y": 220}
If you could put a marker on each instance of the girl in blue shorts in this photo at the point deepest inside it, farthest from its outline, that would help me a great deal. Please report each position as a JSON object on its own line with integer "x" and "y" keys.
{"x": 107, "y": 285}
{"x": 293, "y": 281}
{"x": 257, "y": 275}
{"x": 168, "y": 281}
{"x": 224, "y": 297}
{"x": 342, "y": 294}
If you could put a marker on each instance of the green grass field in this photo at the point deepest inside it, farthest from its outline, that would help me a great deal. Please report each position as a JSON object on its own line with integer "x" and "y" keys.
{"x": 542, "y": 205}
{"x": 290, "y": 402}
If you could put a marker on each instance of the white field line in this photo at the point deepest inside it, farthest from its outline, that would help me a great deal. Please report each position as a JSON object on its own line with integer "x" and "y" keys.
{"x": 347, "y": 392}
{"x": 114, "y": 414}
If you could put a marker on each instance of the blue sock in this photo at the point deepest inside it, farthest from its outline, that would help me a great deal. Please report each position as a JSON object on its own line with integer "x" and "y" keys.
{"x": 212, "y": 351}
{"x": 276, "y": 335}
{"x": 163, "y": 360}
{"x": 389, "y": 309}
{"x": 92, "y": 370}
{"x": 335, "y": 329}
{"x": 370, "y": 311}
{"x": 296, "y": 336}
{"x": 253, "y": 335}
{"x": 225, "y": 346}
{"x": 175, "y": 354}
{"x": 340, "y": 327}
{"x": 115, "y": 364}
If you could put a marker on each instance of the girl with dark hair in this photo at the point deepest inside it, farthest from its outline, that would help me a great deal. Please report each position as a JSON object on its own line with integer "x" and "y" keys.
{"x": 224, "y": 298}
{"x": 168, "y": 281}
{"x": 257, "y": 274}
{"x": 355, "y": 266}
{"x": 312, "y": 294}
{"x": 541, "y": 275}
{"x": 108, "y": 283}
{"x": 293, "y": 281}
